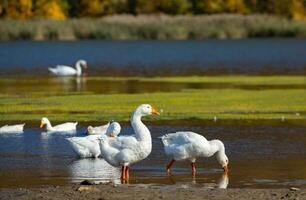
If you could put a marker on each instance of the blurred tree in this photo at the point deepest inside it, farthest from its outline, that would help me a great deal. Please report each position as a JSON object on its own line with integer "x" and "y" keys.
{"x": 175, "y": 7}
{"x": 60, "y": 9}
{"x": 235, "y": 6}
{"x": 50, "y": 9}
{"x": 91, "y": 8}
{"x": 298, "y": 10}
{"x": 73, "y": 7}
{"x": 20, "y": 9}
{"x": 142, "y": 6}
{"x": 207, "y": 6}
{"x": 96, "y": 8}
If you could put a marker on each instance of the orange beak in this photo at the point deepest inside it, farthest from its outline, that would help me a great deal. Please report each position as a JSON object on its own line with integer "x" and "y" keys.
{"x": 41, "y": 125}
{"x": 225, "y": 168}
{"x": 155, "y": 112}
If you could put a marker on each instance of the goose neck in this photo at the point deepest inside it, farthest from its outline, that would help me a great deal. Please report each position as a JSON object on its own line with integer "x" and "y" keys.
{"x": 141, "y": 131}
{"x": 49, "y": 126}
{"x": 78, "y": 68}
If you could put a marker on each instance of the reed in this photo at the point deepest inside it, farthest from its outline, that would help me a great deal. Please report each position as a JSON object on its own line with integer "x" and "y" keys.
{"x": 127, "y": 27}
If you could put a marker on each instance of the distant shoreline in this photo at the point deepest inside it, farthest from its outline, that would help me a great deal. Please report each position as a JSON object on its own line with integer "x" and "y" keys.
{"x": 154, "y": 27}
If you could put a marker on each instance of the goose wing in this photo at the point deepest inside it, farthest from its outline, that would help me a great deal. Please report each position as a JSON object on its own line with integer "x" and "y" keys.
{"x": 183, "y": 145}
{"x": 85, "y": 146}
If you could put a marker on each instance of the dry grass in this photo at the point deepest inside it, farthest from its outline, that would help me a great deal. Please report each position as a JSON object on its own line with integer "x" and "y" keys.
{"x": 124, "y": 27}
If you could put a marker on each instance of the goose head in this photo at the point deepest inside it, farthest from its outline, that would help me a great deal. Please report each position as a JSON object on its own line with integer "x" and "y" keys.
{"x": 44, "y": 121}
{"x": 146, "y": 109}
{"x": 114, "y": 129}
{"x": 223, "y": 160}
{"x": 90, "y": 129}
{"x": 82, "y": 63}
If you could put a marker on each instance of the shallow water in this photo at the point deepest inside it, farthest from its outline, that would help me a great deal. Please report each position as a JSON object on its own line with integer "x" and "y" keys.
{"x": 260, "y": 157}
{"x": 93, "y": 85}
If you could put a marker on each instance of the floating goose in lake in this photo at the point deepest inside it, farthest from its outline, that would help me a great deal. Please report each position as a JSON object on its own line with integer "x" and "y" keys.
{"x": 89, "y": 146}
{"x": 110, "y": 129}
{"x": 126, "y": 150}
{"x": 62, "y": 70}
{"x": 66, "y": 127}
{"x": 17, "y": 128}
{"x": 190, "y": 146}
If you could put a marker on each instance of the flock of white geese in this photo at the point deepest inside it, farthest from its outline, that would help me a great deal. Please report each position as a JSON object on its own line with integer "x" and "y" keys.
{"x": 125, "y": 150}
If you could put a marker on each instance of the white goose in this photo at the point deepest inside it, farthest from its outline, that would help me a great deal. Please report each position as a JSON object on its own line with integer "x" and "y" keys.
{"x": 62, "y": 70}
{"x": 17, "y": 128}
{"x": 89, "y": 146}
{"x": 110, "y": 129}
{"x": 66, "y": 127}
{"x": 126, "y": 150}
{"x": 190, "y": 146}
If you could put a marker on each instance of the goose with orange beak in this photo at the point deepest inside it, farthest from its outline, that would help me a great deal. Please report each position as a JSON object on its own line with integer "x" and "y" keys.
{"x": 65, "y": 127}
{"x": 124, "y": 151}
{"x": 190, "y": 146}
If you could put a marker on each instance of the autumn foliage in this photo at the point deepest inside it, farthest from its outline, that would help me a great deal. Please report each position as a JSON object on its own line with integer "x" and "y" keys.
{"x": 62, "y": 9}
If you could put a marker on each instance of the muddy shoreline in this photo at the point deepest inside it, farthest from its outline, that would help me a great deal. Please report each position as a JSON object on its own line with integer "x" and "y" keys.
{"x": 146, "y": 191}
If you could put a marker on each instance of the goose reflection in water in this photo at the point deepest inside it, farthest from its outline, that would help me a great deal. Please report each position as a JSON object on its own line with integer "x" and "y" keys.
{"x": 221, "y": 184}
{"x": 71, "y": 84}
{"x": 97, "y": 170}
{"x": 223, "y": 181}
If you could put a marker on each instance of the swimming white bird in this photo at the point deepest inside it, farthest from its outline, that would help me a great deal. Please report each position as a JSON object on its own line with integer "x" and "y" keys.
{"x": 66, "y": 127}
{"x": 110, "y": 129}
{"x": 190, "y": 146}
{"x": 62, "y": 70}
{"x": 17, "y": 128}
{"x": 126, "y": 150}
{"x": 89, "y": 146}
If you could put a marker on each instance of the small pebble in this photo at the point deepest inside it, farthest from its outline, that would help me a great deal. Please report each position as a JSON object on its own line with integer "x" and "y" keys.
{"x": 295, "y": 189}
{"x": 86, "y": 188}
{"x": 86, "y": 182}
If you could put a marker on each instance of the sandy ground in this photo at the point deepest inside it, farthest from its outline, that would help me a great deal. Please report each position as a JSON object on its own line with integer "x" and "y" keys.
{"x": 144, "y": 192}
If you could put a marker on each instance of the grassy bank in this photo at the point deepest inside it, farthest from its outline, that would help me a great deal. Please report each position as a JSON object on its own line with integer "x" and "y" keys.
{"x": 203, "y": 104}
{"x": 125, "y": 27}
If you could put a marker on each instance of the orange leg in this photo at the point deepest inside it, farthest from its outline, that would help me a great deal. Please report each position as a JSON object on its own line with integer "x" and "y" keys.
{"x": 123, "y": 169}
{"x": 170, "y": 165}
{"x": 127, "y": 173}
{"x": 193, "y": 168}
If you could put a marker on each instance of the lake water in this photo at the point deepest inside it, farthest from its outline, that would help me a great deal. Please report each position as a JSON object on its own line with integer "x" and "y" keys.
{"x": 247, "y": 56}
{"x": 270, "y": 155}
{"x": 260, "y": 157}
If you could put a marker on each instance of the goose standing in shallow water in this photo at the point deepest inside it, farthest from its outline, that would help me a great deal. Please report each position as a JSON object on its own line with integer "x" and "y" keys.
{"x": 17, "y": 128}
{"x": 190, "y": 146}
{"x": 111, "y": 129}
{"x": 66, "y": 127}
{"x": 89, "y": 146}
{"x": 62, "y": 70}
{"x": 126, "y": 150}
